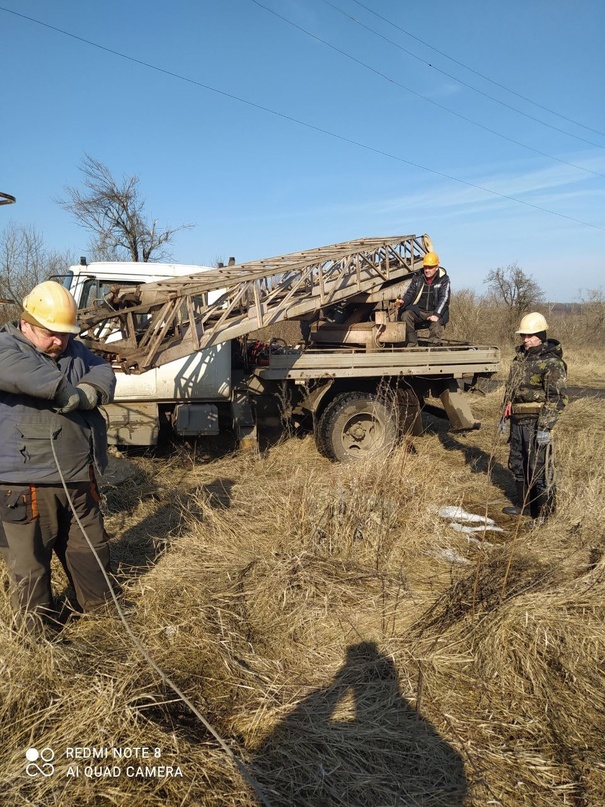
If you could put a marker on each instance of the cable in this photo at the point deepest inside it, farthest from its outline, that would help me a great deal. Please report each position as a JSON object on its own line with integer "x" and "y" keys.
{"x": 143, "y": 650}
{"x": 424, "y": 97}
{"x": 299, "y": 122}
{"x": 470, "y": 87}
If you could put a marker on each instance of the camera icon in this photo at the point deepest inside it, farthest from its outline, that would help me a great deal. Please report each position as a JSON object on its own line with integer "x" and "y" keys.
{"x": 39, "y": 763}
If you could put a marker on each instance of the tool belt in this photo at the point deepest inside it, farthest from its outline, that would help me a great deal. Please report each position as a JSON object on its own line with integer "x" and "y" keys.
{"x": 527, "y": 408}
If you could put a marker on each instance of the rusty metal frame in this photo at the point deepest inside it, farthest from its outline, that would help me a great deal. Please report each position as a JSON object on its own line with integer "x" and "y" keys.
{"x": 175, "y": 319}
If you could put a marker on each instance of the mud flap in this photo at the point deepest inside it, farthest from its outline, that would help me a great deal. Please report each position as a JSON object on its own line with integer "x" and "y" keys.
{"x": 244, "y": 424}
{"x": 458, "y": 411}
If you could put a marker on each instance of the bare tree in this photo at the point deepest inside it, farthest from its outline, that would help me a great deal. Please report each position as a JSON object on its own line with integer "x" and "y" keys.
{"x": 593, "y": 309}
{"x": 114, "y": 214}
{"x": 515, "y": 288}
{"x": 25, "y": 262}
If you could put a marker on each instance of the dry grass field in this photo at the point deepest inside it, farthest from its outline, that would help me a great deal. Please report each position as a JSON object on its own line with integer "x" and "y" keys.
{"x": 349, "y": 645}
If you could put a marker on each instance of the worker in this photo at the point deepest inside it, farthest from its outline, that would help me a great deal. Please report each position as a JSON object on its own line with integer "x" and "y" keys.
{"x": 426, "y": 301}
{"x": 536, "y": 393}
{"x": 51, "y": 434}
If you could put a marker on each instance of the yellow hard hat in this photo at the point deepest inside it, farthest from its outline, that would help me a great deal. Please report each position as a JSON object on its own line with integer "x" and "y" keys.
{"x": 532, "y": 323}
{"x": 430, "y": 259}
{"x": 52, "y": 306}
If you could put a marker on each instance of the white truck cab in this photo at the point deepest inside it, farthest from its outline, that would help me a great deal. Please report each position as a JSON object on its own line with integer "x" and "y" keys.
{"x": 185, "y": 393}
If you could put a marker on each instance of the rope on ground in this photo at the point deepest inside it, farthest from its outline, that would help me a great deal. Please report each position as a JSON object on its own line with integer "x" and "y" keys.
{"x": 144, "y": 652}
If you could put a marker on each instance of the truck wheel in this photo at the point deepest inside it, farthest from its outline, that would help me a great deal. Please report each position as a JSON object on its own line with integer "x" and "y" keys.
{"x": 357, "y": 425}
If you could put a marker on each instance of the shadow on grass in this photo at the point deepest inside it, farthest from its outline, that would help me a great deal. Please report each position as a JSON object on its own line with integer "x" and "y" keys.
{"x": 138, "y": 547}
{"x": 480, "y": 462}
{"x": 357, "y": 741}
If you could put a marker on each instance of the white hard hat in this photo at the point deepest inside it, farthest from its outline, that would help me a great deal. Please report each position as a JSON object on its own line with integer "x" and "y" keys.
{"x": 52, "y": 306}
{"x": 532, "y": 323}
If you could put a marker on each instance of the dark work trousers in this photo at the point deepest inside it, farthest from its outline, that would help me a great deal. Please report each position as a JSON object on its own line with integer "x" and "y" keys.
{"x": 531, "y": 464}
{"x": 414, "y": 318}
{"x": 3, "y": 544}
{"x": 37, "y": 520}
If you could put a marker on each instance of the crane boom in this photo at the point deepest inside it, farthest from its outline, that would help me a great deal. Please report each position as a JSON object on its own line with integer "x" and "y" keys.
{"x": 155, "y": 323}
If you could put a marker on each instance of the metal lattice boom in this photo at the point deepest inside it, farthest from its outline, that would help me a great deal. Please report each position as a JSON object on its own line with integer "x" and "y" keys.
{"x": 158, "y": 322}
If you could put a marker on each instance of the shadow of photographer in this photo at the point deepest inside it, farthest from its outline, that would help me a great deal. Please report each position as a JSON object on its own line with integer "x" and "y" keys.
{"x": 357, "y": 741}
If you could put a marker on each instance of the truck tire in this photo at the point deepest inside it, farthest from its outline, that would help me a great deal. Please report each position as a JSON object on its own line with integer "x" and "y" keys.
{"x": 356, "y": 425}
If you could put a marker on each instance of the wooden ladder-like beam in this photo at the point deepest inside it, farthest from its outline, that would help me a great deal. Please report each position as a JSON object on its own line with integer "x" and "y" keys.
{"x": 158, "y": 322}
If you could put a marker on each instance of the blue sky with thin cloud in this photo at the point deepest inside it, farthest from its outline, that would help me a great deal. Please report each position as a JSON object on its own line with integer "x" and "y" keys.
{"x": 279, "y": 125}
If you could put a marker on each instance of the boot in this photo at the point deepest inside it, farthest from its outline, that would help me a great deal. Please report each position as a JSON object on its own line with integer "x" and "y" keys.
{"x": 542, "y": 506}
{"x": 522, "y": 507}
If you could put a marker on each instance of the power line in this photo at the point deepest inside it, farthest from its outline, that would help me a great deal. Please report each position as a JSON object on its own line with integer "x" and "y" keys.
{"x": 459, "y": 81}
{"x": 299, "y": 122}
{"x": 420, "y": 95}
{"x": 470, "y": 69}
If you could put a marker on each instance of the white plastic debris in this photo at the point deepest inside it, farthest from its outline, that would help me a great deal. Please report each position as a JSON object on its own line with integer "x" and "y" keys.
{"x": 455, "y": 525}
{"x": 459, "y": 514}
{"x": 476, "y": 542}
{"x": 454, "y": 557}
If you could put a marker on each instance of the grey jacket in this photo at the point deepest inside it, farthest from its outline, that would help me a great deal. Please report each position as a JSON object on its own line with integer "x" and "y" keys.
{"x": 29, "y": 381}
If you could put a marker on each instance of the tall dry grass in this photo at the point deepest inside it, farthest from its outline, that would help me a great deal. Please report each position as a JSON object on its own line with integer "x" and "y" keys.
{"x": 585, "y": 366}
{"x": 348, "y": 644}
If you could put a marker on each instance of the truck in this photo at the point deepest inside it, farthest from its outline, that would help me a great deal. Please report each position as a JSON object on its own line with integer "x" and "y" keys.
{"x": 181, "y": 339}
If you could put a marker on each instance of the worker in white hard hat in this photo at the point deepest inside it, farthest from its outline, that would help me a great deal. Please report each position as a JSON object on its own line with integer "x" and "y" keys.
{"x": 52, "y": 447}
{"x": 426, "y": 302}
{"x": 536, "y": 393}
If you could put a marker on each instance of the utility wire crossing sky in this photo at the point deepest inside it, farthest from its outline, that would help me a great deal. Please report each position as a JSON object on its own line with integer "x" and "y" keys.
{"x": 279, "y": 126}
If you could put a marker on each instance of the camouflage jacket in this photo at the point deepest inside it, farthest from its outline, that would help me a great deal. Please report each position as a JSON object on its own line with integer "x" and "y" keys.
{"x": 539, "y": 375}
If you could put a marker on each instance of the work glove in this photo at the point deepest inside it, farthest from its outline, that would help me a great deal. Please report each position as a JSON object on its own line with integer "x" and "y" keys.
{"x": 89, "y": 397}
{"x": 542, "y": 437}
{"x": 67, "y": 398}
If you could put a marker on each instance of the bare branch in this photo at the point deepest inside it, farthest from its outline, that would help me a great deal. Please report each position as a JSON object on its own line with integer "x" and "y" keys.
{"x": 114, "y": 214}
{"x": 518, "y": 290}
{"x": 25, "y": 262}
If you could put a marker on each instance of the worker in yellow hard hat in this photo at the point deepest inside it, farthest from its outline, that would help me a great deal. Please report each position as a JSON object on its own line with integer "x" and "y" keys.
{"x": 426, "y": 302}
{"x": 536, "y": 393}
{"x": 52, "y": 445}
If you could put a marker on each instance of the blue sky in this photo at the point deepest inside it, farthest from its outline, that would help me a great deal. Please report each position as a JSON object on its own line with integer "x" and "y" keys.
{"x": 279, "y": 125}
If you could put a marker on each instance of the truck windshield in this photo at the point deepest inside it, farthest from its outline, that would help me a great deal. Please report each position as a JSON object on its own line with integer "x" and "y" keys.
{"x": 95, "y": 291}
{"x": 65, "y": 280}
